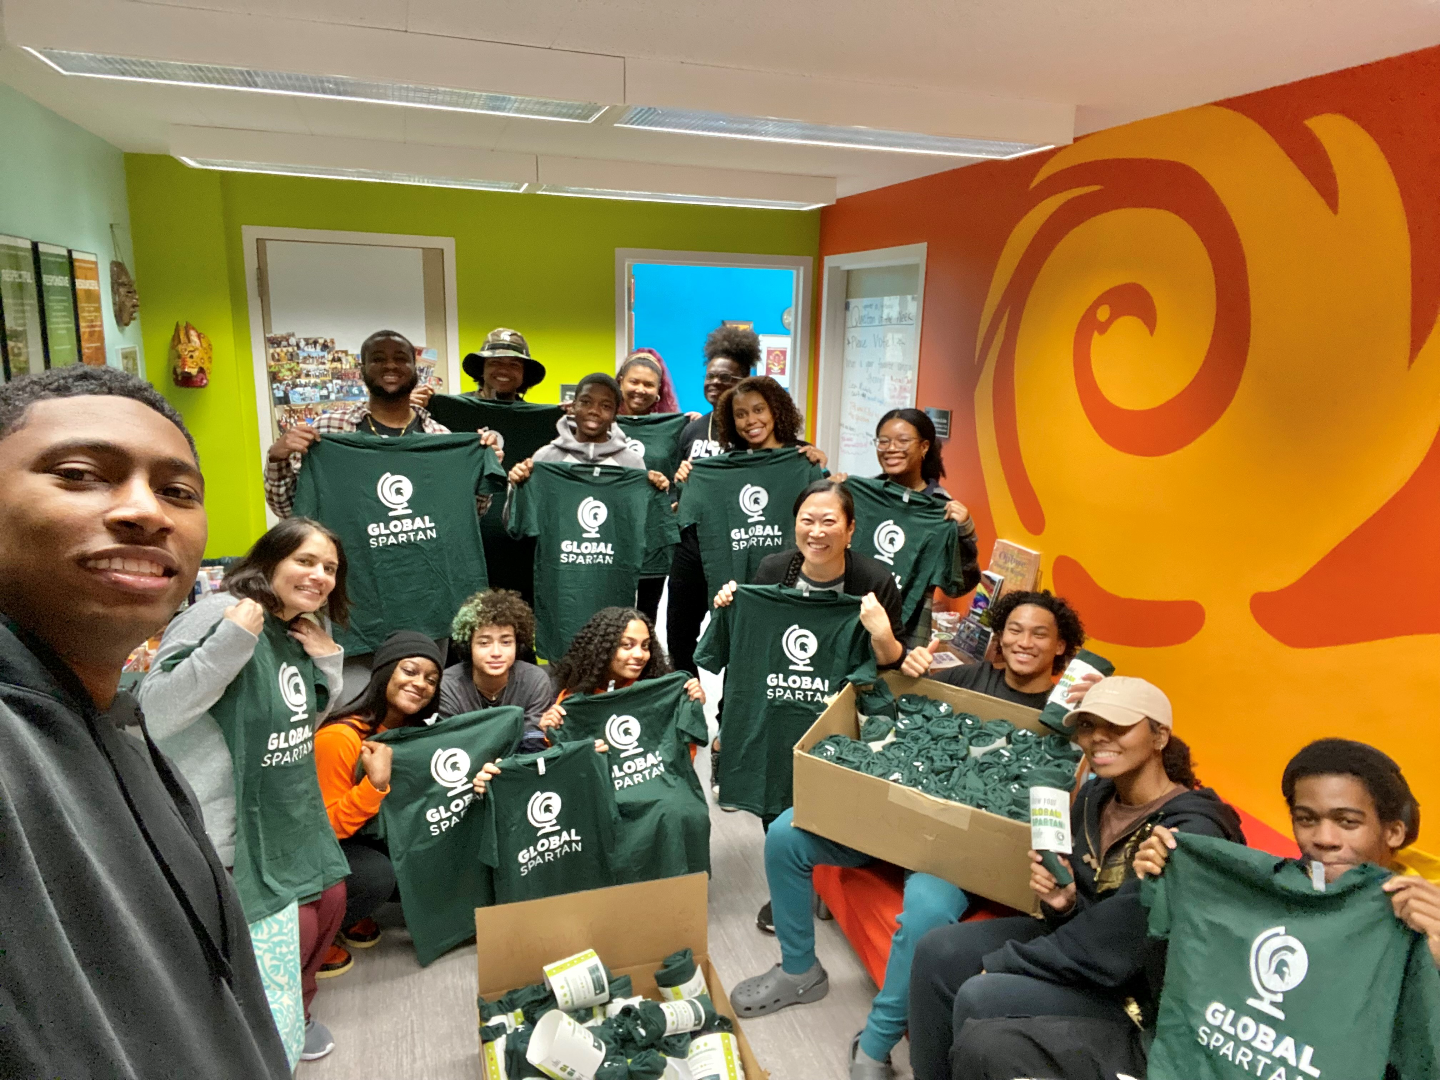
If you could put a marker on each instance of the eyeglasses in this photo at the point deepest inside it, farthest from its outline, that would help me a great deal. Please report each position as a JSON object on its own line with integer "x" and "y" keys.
{"x": 886, "y": 443}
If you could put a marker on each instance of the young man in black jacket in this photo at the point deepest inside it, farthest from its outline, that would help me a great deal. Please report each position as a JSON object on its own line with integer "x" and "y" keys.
{"x": 1088, "y": 957}
{"x": 123, "y": 950}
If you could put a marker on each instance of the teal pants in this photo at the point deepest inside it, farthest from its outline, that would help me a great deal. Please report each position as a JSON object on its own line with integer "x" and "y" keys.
{"x": 790, "y": 855}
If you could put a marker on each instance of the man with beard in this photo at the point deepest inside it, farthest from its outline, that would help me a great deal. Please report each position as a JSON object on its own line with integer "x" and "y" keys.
{"x": 387, "y": 364}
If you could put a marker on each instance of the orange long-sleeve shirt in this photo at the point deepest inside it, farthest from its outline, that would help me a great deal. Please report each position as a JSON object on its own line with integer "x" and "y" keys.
{"x": 348, "y": 804}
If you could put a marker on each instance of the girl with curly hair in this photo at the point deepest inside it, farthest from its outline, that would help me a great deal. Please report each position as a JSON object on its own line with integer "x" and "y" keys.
{"x": 491, "y": 629}
{"x": 615, "y": 648}
{"x": 754, "y": 414}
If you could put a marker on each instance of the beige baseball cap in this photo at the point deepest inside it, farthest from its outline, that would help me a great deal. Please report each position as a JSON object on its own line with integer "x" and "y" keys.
{"x": 1124, "y": 700}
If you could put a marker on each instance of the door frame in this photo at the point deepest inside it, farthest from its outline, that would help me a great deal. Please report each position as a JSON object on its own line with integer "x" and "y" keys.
{"x": 830, "y": 369}
{"x": 804, "y": 265}
{"x": 250, "y": 235}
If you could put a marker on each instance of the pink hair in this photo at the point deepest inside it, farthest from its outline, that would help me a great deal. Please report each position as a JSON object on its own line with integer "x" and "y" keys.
{"x": 667, "y": 402}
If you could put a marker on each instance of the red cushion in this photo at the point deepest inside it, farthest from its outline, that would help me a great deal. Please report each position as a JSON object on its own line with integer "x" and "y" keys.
{"x": 867, "y": 901}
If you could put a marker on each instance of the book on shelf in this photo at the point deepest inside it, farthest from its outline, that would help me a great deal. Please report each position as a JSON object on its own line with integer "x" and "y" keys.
{"x": 1018, "y": 567}
{"x": 984, "y": 595}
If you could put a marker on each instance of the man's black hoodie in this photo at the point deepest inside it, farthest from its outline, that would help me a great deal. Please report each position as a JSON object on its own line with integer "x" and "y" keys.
{"x": 1101, "y": 941}
{"x": 124, "y": 954}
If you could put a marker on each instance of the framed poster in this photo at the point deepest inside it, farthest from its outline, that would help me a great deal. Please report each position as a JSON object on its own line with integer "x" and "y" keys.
{"x": 89, "y": 307}
{"x": 22, "y": 345}
{"x": 57, "y": 304}
{"x": 129, "y": 360}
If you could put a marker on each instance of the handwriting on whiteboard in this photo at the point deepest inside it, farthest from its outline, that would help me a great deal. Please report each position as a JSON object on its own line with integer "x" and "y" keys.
{"x": 879, "y": 373}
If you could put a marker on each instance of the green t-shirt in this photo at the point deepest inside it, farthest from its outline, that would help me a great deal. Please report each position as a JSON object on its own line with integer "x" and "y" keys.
{"x": 405, "y": 510}
{"x": 525, "y": 427}
{"x": 784, "y": 653}
{"x": 430, "y": 827}
{"x": 664, "y": 819}
{"x": 907, "y": 531}
{"x": 657, "y": 436}
{"x": 1265, "y": 977}
{"x": 285, "y": 849}
{"x": 741, "y": 504}
{"x": 549, "y": 824}
{"x": 594, "y": 524}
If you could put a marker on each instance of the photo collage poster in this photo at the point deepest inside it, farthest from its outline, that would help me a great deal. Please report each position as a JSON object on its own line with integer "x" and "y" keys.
{"x": 309, "y": 376}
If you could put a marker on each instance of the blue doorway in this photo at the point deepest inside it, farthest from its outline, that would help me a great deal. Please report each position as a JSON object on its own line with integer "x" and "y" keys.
{"x": 673, "y": 306}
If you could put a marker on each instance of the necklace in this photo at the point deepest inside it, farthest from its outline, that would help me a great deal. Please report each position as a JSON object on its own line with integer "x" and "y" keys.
{"x": 403, "y": 431}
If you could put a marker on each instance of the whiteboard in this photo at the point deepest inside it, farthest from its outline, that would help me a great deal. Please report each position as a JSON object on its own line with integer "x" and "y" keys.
{"x": 880, "y": 366}
{"x": 345, "y": 291}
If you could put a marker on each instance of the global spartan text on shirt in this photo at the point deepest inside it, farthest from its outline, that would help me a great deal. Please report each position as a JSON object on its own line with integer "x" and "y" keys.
{"x": 799, "y": 646}
{"x": 395, "y": 491}
{"x": 450, "y": 769}
{"x": 638, "y": 765}
{"x": 288, "y": 747}
{"x": 552, "y": 842}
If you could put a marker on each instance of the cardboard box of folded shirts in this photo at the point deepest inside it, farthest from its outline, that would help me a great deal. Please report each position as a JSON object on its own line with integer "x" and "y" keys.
{"x": 632, "y": 928}
{"x": 983, "y": 853}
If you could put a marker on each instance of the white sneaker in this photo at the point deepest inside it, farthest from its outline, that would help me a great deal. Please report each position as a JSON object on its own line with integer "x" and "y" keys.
{"x": 318, "y": 1041}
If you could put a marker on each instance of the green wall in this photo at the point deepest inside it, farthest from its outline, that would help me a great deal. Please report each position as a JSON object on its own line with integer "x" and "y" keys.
{"x": 542, "y": 265}
{"x": 62, "y": 185}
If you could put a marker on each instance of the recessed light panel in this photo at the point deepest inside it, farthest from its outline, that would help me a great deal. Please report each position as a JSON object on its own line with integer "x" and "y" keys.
{"x": 101, "y": 66}
{"x": 672, "y": 197}
{"x": 374, "y": 176}
{"x": 768, "y": 129}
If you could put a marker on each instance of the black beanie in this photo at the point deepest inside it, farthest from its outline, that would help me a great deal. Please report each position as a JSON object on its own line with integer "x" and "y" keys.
{"x": 403, "y": 643}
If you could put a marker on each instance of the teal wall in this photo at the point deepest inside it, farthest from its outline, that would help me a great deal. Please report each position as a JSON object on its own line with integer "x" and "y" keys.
{"x": 62, "y": 185}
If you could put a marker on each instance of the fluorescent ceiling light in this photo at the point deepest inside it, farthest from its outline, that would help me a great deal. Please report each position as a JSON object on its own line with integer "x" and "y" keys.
{"x": 768, "y": 129}
{"x": 102, "y": 66}
{"x": 673, "y": 197}
{"x": 374, "y": 176}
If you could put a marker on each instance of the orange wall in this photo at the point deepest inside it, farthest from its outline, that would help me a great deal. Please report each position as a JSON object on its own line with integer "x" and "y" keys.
{"x": 1195, "y": 361}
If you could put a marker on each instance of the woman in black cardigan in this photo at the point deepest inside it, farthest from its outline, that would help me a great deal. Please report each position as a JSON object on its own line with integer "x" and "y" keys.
{"x": 822, "y": 560}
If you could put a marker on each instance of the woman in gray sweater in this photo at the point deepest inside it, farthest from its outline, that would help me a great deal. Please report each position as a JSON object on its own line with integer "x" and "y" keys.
{"x": 240, "y": 683}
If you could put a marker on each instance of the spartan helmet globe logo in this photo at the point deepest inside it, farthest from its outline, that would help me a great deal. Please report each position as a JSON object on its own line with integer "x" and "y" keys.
{"x": 799, "y": 645}
{"x": 753, "y": 500}
{"x": 542, "y": 811}
{"x": 636, "y": 445}
{"x": 623, "y": 733}
{"x": 395, "y": 491}
{"x": 1278, "y": 964}
{"x": 889, "y": 539}
{"x": 292, "y": 689}
{"x": 591, "y": 514}
{"x": 450, "y": 766}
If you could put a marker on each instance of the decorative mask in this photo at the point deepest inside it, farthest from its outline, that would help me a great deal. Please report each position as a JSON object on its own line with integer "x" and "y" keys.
{"x": 124, "y": 298}
{"x": 190, "y": 363}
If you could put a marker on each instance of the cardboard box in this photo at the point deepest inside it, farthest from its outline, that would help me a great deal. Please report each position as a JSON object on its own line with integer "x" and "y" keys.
{"x": 983, "y": 853}
{"x": 632, "y": 927}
